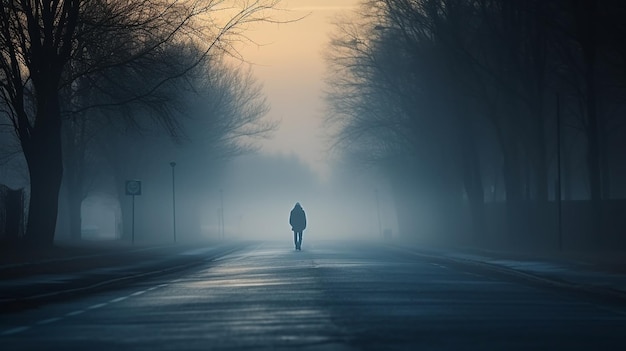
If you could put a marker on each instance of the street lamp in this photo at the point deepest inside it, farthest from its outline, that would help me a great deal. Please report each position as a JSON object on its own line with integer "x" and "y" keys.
{"x": 380, "y": 227}
{"x": 221, "y": 213}
{"x": 558, "y": 174}
{"x": 173, "y": 164}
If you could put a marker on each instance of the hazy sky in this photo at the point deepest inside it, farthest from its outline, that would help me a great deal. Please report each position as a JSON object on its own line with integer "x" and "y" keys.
{"x": 291, "y": 67}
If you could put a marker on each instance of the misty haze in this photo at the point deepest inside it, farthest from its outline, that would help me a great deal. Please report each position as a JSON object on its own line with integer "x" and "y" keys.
{"x": 312, "y": 175}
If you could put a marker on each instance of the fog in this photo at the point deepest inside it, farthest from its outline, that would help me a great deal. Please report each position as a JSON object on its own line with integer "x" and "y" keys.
{"x": 260, "y": 191}
{"x": 257, "y": 193}
{"x": 456, "y": 133}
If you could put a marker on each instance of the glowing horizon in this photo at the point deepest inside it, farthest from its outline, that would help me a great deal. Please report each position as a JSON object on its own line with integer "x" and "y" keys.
{"x": 289, "y": 63}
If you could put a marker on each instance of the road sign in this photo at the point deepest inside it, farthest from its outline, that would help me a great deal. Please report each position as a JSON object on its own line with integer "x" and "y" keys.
{"x": 133, "y": 187}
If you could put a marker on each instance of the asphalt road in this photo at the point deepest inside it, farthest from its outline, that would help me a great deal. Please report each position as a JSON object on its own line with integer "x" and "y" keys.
{"x": 330, "y": 296}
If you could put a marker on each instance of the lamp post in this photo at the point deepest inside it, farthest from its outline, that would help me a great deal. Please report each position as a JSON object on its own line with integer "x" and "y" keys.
{"x": 173, "y": 164}
{"x": 222, "y": 213}
{"x": 380, "y": 228}
{"x": 558, "y": 173}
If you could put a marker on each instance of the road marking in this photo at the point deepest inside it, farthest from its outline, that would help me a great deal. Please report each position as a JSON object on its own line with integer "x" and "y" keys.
{"x": 49, "y": 320}
{"x": 15, "y": 330}
{"x": 119, "y": 299}
{"x": 77, "y": 312}
{"x": 93, "y": 307}
{"x": 198, "y": 251}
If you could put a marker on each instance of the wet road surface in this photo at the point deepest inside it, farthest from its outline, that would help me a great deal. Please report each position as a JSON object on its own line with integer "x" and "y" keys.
{"x": 330, "y": 296}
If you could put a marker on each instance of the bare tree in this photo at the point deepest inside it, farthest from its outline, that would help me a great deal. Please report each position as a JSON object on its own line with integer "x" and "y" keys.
{"x": 120, "y": 96}
{"x": 220, "y": 113}
{"x": 392, "y": 90}
{"x": 434, "y": 73}
{"x": 41, "y": 40}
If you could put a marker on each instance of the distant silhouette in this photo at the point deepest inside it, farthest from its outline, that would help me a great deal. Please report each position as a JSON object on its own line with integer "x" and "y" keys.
{"x": 297, "y": 219}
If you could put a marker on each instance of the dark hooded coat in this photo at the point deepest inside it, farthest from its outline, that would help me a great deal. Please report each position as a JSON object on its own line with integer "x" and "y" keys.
{"x": 297, "y": 219}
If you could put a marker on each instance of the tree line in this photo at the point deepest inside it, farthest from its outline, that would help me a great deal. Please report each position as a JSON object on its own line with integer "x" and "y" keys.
{"x": 91, "y": 89}
{"x": 464, "y": 104}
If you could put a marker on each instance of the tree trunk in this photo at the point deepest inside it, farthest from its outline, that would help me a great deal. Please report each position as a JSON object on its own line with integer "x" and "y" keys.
{"x": 472, "y": 181}
{"x": 512, "y": 185}
{"x": 74, "y": 176}
{"x": 587, "y": 32}
{"x": 405, "y": 199}
{"x": 75, "y": 200}
{"x": 14, "y": 215}
{"x": 541, "y": 167}
{"x": 512, "y": 177}
{"x": 593, "y": 146}
{"x": 475, "y": 195}
{"x": 45, "y": 168}
{"x": 605, "y": 162}
{"x": 43, "y": 153}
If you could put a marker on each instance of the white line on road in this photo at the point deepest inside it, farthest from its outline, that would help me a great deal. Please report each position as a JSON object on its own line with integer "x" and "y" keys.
{"x": 93, "y": 307}
{"x": 199, "y": 251}
{"x": 119, "y": 299}
{"x": 15, "y": 330}
{"x": 77, "y": 312}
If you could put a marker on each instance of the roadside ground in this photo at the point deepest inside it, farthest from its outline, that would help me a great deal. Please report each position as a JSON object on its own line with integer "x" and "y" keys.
{"x": 28, "y": 278}
{"x": 31, "y": 277}
{"x": 602, "y": 274}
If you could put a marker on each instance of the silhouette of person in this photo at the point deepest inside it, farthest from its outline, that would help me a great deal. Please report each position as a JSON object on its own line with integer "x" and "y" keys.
{"x": 297, "y": 219}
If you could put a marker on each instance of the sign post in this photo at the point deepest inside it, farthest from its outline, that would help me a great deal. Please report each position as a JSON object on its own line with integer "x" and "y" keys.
{"x": 133, "y": 188}
{"x": 173, "y": 164}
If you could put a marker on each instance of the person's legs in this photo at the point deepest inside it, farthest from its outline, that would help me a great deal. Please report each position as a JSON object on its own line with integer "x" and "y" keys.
{"x": 295, "y": 238}
{"x": 299, "y": 240}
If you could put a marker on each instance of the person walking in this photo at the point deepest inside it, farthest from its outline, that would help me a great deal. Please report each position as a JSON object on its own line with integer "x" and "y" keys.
{"x": 297, "y": 219}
